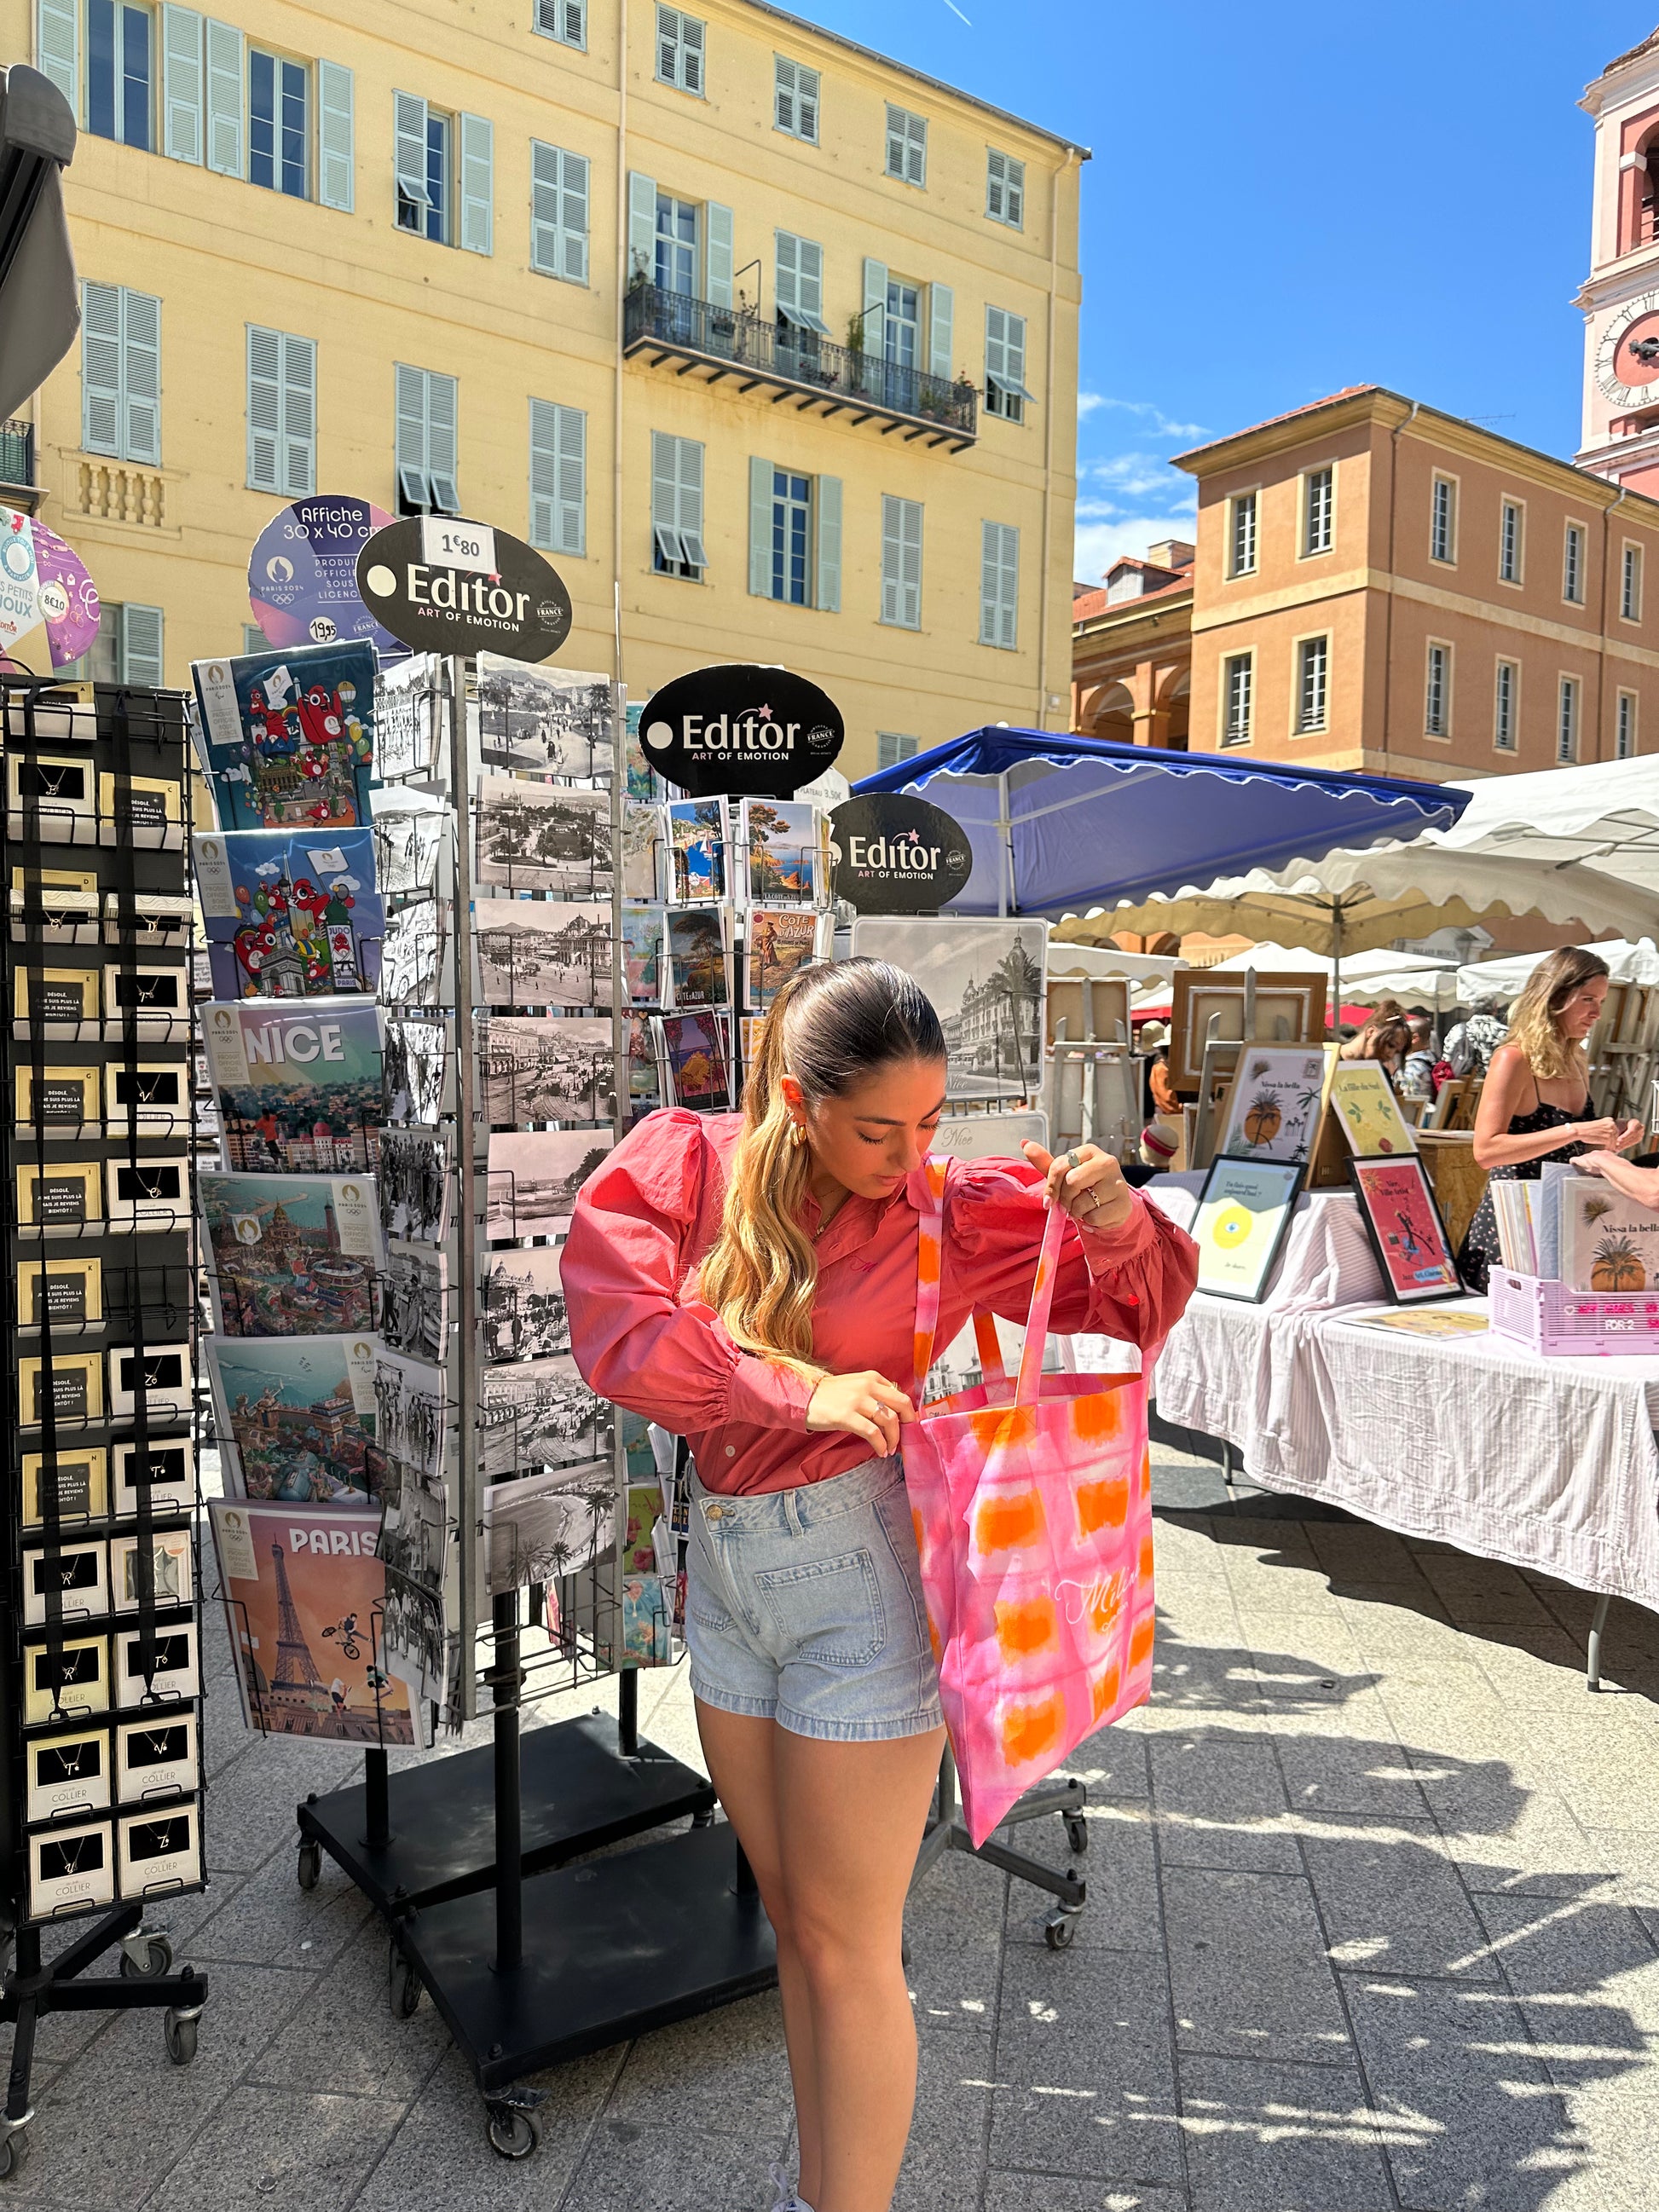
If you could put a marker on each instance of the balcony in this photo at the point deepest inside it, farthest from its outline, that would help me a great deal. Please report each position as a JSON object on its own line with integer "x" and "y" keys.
{"x": 17, "y": 464}
{"x": 794, "y": 363}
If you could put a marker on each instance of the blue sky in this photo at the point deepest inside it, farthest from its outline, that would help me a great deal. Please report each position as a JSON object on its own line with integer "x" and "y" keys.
{"x": 1285, "y": 200}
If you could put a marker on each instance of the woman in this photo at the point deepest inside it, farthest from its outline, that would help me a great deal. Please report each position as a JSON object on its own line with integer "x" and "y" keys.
{"x": 749, "y": 1282}
{"x": 1535, "y": 1105}
{"x": 1386, "y": 1036}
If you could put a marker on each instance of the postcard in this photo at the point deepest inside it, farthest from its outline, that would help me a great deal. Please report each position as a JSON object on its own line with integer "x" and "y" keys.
{"x": 699, "y": 838}
{"x": 1274, "y": 1105}
{"x": 416, "y": 1651}
{"x": 537, "y": 1412}
{"x": 410, "y": 696}
{"x": 522, "y": 1304}
{"x": 645, "y": 961}
{"x": 781, "y": 941}
{"x": 288, "y": 736}
{"x": 989, "y": 1136}
{"x": 412, "y": 1184}
{"x": 534, "y": 1176}
{"x": 297, "y": 1415}
{"x": 1406, "y": 1232}
{"x": 67, "y": 1774}
{"x": 699, "y": 956}
{"x": 71, "y": 1485}
{"x": 1363, "y": 1100}
{"x": 302, "y": 1589}
{"x": 298, "y": 1089}
{"x": 644, "y": 840}
{"x": 543, "y": 837}
{"x": 534, "y": 953}
{"x": 409, "y": 840}
{"x": 544, "y": 1526}
{"x": 644, "y": 1072}
{"x": 647, "y": 1621}
{"x": 782, "y": 845}
{"x": 1421, "y": 1320}
{"x": 985, "y": 981}
{"x": 414, "y": 1070}
{"x": 411, "y": 1411}
{"x": 560, "y": 721}
{"x": 546, "y": 1068}
{"x": 289, "y": 915}
{"x": 153, "y": 1758}
{"x": 415, "y": 1303}
{"x": 1242, "y": 1215}
{"x": 291, "y": 1256}
{"x": 694, "y": 1052}
{"x": 412, "y": 956}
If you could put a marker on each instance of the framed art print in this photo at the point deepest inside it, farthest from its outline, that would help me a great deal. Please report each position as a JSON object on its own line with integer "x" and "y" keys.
{"x": 1363, "y": 1102}
{"x": 1274, "y": 1101}
{"x": 1243, "y": 1213}
{"x": 1407, "y": 1233}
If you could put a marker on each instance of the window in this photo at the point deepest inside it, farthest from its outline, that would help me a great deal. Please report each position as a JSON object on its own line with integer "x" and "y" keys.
{"x": 558, "y": 477}
{"x": 1436, "y": 701}
{"x": 677, "y": 245}
{"x": 1509, "y": 541}
{"x": 1630, "y": 589}
{"x": 799, "y": 283}
{"x": 558, "y": 212}
{"x": 127, "y": 648}
{"x": 794, "y": 536}
{"x": 1240, "y": 535}
{"x": 1238, "y": 673}
{"x": 891, "y": 748}
{"x": 254, "y": 638}
{"x": 1318, "y": 510}
{"x": 900, "y": 561}
{"x": 1566, "y": 722}
{"x": 281, "y": 413}
{"x": 423, "y": 168}
{"x": 1312, "y": 660}
{"x": 677, "y": 548}
{"x": 278, "y": 127}
{"x": 121, "y": 373}
{"x": 906, "y": 145}
{"x": 1506, "y": 703}
{"x": 1623, "y": 745}
{"x": 1004, "y": 365}
{"x": 428, "y": 404}
{"x": 679, "y": 50}
{"x": 563, "y": 19}
{"x": 1443, "y": 521}
{"x": 120, "y": 73}
{"x": 1005, "y": 189}
{"x": 795, "y": 100}
{"x": 998, "y": 585}
{"x": 1572, "y": 565}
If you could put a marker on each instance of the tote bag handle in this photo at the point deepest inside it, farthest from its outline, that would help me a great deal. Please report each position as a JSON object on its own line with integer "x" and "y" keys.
{"x": 930, "y": 1254}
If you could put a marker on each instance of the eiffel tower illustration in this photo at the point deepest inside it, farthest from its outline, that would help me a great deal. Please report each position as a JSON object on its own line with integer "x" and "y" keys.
{"x": 294, "y": 1668}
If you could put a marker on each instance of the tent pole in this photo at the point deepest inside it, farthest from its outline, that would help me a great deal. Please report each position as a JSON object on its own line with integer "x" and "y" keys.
{"x": 1007, "y": 902}
{"x": 1336, "y": 970}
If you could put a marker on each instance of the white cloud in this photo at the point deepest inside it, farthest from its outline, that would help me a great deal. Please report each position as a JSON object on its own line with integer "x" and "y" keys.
{"x": 1164, "y": 425}
{"x": 1098, "y": 543}
{"x": 1134, "y": 475}
{"x": 1088, "y": 401}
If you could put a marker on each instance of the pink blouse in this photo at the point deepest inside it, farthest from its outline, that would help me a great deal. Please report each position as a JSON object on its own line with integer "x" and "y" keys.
{"x": 643, "y": 1337}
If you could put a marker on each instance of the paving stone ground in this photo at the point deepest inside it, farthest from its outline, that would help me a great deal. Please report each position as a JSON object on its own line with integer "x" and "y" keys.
{"x": 1374, "y": 1904}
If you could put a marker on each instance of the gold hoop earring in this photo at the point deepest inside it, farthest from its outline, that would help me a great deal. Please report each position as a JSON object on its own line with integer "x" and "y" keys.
{"x": 797, "y": 1134}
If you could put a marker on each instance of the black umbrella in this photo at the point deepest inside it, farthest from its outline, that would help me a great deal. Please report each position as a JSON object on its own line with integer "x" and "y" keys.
{"x": 39, "y": 303}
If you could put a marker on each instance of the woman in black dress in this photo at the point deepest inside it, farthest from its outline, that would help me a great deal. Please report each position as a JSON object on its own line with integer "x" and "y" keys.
{"x": 1535, "y": 1104}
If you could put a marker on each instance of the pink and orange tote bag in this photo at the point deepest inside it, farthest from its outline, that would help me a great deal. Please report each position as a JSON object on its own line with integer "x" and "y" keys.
{"x": 1032, "y": 1503}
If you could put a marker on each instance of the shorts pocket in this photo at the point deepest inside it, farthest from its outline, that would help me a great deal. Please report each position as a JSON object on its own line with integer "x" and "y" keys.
{"x": 703, "y": 1601}
{"x": 830, "y": 1610}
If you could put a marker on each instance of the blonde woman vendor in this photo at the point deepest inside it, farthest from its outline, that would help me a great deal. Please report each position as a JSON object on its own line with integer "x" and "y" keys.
{"x": 1535, "y": 1104}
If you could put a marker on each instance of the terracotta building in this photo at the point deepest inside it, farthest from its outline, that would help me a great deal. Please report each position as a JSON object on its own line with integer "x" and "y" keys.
{"x": 1379, "y": 585}
{"x": 1132, "y": 649}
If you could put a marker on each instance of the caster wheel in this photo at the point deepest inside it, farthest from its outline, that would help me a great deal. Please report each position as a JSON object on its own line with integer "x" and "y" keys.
{"x": 14, "y": 2153}
{"x": 157, "y": 1960}
{"x": 703, "y": 1819}
{"x": 512, "y": 2132}
{"x": 1077, "y": 1834}
{"x": 181, "y": 2037}
{"x": 309, "y": 1870}
{"x": 1060, "y": 1930}
{"x": 405, "y": 1986}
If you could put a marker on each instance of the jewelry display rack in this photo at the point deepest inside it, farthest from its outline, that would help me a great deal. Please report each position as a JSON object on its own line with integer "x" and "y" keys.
{"x": 100, "y": 1739}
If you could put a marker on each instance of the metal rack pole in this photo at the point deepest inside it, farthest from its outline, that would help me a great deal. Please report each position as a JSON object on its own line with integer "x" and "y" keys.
{"x": 469, "y": 1505}
{"x": 505, "y": 1679}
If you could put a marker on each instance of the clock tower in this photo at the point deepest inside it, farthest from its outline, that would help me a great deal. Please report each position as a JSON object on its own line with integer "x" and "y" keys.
{"x": 1621, "y": 300}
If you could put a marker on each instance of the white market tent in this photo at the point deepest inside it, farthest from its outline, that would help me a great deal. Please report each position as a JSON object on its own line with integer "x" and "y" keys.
{"x": 1418, "y": 978}
{"x": 1505, "y": 979}
{"x": 1604, "y": 814}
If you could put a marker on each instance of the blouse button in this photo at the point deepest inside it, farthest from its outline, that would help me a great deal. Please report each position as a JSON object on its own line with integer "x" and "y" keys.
{"x": 731, "y": 1451}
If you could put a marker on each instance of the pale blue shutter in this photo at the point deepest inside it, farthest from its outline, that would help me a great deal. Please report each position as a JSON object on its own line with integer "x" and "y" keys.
{"x": 689, "y": 504}
{"x": 691, "y": 73}
{"x": 57, "y": 47}
{"x": 224, "y": 98}
{"x": 786, "y": 275}
{"x": 299, "y": 417}
{"x": 141, "y": 645}
{"x": 336, "y": 137}
{"x": 558, "y": 212}
{"x": 941, "y": 313}
{"x": 718, "y": 257}
{"x": 181, "y": 83}
{"x": 442, "y": 398}
{"x": 760, "y": 523}
{"x": 641, "y": 226}
{"x": 413, "y": 491}
{"x": 140, "y": 378}
{"x": 998, "y": 591}
{"x": 264, "y": 409}
{"x": 573, "y": 217}
{"x": 478, "y": 184}
{"x": 875, "y": 308}
{"x": 900, "y": 562}
{"x": 665, "y": 498}
{"x": 408, "y": 129}
{"x": 101, "y": 368}
{"x": 827, "y": 552}
{"x": 558, "y": 477}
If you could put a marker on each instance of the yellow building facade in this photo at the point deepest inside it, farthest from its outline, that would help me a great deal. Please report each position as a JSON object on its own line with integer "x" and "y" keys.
{"x": 769, "y": 342}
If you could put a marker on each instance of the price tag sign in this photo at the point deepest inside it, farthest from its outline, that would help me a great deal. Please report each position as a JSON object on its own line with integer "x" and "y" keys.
{"x": 450, "y": 544}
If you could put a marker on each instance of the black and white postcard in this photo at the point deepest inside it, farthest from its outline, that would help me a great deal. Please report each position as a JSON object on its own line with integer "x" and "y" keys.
{"x": 557, "y": 721}
{"x": 542, "y": 952}
{"x": 408, "y": 716}
{"x": 545, "y": 1527}
{"x": 414, "y": 1304}
{"x": 534, "y": 1176}
{"x": 643, "y": 840}
{"x": 412, "y": 1184}
{"x": 522, "y": 1304}
{"x": 543, "y": 837}
{"x": 411, "y": 1412}
{"x": 408, "y": 842}
{"x": 412, "y": 954}
{"x": 537, "y": 1412}
{"x": 414, "y": 1537}
{"x": 546, "y": 1068}
{"x": 413, "y": 1067}
{"x": 985, "y": 981}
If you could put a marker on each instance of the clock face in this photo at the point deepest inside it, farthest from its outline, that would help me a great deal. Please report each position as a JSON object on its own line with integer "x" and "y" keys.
{"x": 1627, "y": 359}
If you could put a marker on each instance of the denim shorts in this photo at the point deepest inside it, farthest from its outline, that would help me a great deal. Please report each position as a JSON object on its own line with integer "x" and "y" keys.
{"x": 804, "y": 1607}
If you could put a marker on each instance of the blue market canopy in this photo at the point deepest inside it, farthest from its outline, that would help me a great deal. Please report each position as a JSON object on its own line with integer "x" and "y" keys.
{"x": 1090, "y": 822}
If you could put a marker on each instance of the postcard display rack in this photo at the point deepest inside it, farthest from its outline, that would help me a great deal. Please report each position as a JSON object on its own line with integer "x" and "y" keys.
{"x": 101, "y": 1803}
{"x": 496, "y": 1485}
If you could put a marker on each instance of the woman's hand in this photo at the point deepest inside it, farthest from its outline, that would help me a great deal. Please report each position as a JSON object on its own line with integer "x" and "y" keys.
{"x": 1604, "y": 1134}
{"x": 865, "y": 1404}
{"x": 1086, "y": 1183}
{"x": 1631, "y": 1133}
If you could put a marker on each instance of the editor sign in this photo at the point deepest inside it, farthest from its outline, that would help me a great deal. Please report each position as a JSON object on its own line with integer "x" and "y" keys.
{"x": 444, "y": 586}
{"x": 741, "y": 731}
{"x": 894, "y": 854}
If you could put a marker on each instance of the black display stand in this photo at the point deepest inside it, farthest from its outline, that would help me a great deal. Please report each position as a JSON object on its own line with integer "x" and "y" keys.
{"x": 100, "y": 1622}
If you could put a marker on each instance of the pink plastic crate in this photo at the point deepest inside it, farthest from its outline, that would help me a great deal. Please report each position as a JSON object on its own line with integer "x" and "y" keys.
{"x": 1552, "y": 1318}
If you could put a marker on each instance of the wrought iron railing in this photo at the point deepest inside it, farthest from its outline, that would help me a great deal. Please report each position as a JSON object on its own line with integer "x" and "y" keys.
{"x": 802, "y": 359}
{"x": 16, "y": 453}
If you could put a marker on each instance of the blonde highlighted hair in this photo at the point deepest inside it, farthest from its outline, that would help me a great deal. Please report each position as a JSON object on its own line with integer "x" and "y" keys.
{"x": 1535, "y": 1016}
{"x": 831, "y": 1028}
